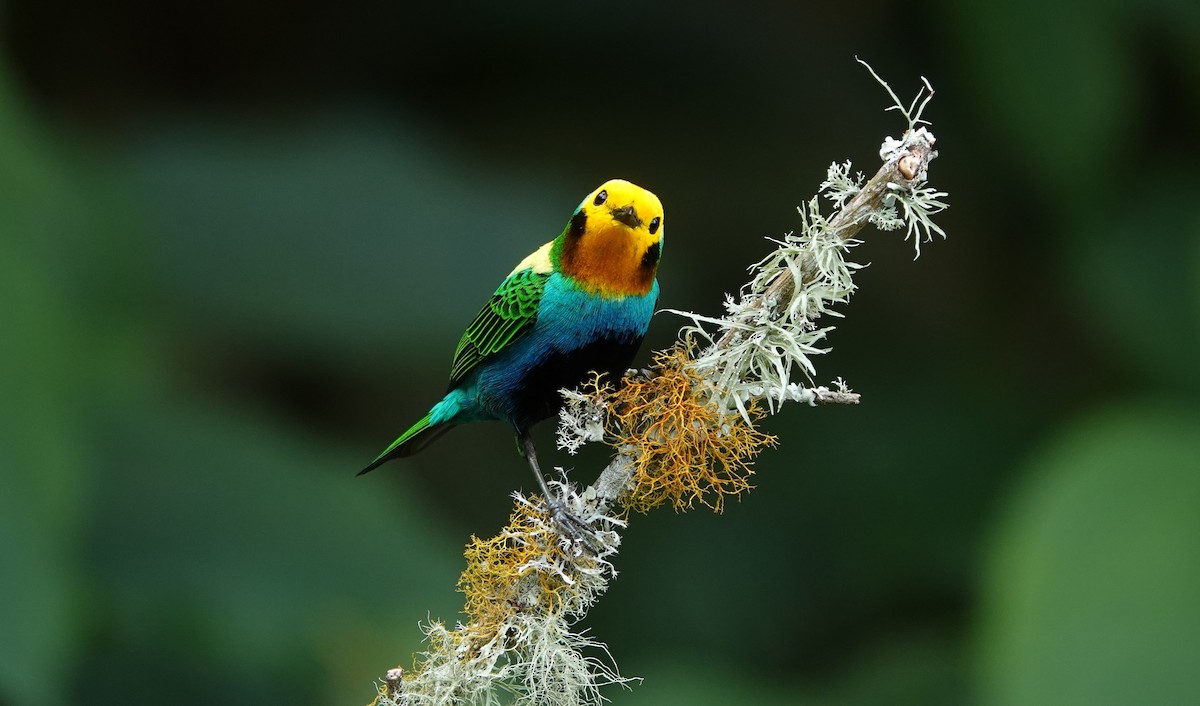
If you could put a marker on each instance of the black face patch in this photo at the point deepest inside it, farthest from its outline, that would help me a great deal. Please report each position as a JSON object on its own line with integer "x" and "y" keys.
{"x": 650, "y": 259}
{"x": 578, "y": 224}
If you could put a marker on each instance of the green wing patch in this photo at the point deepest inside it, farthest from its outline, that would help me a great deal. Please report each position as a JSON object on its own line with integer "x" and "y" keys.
{"x": 510, "y": 312}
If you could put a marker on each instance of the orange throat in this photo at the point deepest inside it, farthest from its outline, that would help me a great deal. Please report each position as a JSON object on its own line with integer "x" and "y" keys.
{"x": 608, "y": 262}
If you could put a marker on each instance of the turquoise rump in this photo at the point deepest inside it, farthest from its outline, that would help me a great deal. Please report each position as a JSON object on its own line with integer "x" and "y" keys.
{"x": 581, "y": 303}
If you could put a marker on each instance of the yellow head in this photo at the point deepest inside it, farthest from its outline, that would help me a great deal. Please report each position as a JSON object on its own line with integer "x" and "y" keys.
{"x": 613, "y": 241}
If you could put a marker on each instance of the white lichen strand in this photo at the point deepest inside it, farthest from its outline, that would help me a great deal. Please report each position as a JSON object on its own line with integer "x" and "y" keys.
{"x": 811, "y": 396}
{"x": 581, "y": 420}
{"x": 920, "y": 204}
{"x": 914, "y": 110}
{"x": 886, "y": 218}
{"x": 839, "y": 187}
{"x": 764, "y": 342}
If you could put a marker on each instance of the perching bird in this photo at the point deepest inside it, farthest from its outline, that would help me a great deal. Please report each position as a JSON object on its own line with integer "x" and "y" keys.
{"x": 580, "y": 303}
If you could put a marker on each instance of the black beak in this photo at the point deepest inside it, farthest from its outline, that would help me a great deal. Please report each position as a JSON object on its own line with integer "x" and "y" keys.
{"x": 626, "y": 215}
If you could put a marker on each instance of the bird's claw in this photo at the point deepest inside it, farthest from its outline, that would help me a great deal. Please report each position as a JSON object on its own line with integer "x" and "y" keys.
{"x": 571, "y": 526}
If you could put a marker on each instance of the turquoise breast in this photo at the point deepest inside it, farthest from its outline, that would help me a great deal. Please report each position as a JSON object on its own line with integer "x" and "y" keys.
{"x": 576, "y": 332}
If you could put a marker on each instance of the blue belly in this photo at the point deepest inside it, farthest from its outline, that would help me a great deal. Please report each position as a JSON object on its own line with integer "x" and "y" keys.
{"x": 575, "y": 333}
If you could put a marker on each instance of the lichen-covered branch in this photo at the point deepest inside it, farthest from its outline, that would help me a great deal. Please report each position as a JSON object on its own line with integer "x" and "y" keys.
{"x": 683, "y": 433}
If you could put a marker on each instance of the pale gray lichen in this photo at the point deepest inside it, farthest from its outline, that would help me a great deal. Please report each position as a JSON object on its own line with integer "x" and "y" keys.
{"x": 920, "y": 205}
{"x": 839, "y": 187}
{"x": 764, "y": 341}
{"x": 580, "y": 420}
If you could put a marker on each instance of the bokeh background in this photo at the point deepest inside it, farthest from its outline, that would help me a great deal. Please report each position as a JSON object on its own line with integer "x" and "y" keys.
{"x": 238, "y": 242}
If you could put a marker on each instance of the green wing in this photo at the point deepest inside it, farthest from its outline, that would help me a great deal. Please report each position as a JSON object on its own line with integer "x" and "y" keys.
{"x": 510, "y": 312}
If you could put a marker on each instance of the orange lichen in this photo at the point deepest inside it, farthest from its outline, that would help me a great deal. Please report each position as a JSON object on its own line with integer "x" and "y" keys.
{"x": 685, "y": 451}
{"x": 498, "y": 569}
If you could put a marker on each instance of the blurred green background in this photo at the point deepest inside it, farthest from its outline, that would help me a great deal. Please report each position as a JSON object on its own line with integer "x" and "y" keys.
{"x": 238, "y": 242}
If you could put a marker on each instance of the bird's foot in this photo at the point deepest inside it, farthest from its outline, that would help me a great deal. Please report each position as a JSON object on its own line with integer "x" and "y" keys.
{"x": 571, "y": 526}
{"x": 568, "y": 524}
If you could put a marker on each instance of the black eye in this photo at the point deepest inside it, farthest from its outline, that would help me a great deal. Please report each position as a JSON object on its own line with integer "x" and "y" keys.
{"x": 601, "y": 197}
{"x": 654, "y": 225}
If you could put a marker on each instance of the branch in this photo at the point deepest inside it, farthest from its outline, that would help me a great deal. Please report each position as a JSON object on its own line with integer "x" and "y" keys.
{"x": 684, "y": 433}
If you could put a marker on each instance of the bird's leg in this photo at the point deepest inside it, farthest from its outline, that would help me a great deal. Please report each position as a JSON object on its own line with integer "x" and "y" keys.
{"x": 568, "y": 524}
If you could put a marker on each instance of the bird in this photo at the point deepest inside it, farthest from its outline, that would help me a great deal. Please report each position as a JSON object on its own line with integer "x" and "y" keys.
{"x": 579, "y": 304}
